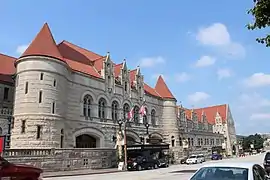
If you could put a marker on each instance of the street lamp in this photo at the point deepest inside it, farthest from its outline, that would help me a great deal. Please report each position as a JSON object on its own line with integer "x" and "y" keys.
{"x": 147, "y": 127}
{"x": 120, "y": 123}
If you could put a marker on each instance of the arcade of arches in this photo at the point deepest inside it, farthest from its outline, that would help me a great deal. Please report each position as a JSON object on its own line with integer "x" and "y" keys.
{"x": 86, "y": 141}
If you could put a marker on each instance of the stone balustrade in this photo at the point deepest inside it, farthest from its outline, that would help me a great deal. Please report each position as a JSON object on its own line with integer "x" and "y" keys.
{"x": 63, "y": 159}
{"x": 6, "y": 112}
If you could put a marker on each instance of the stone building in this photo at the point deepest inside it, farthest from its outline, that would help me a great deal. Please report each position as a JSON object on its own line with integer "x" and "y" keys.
{"x": 207, "y": 127}
{"x": 68, "y": 97}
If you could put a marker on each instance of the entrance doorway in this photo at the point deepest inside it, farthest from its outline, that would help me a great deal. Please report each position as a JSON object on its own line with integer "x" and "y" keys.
{"x": 130, "y": 140}
{"x": 86, "y": 141}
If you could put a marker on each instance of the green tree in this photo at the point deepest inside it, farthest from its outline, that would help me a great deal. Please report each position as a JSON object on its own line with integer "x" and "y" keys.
{"x": 261, "y": 15}
{"x": 255, "y": 139}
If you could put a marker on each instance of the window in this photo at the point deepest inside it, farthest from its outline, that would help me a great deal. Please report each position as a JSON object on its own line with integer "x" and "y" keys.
{"x": 26, "y": 88}
{"x": 54, "y": 83}
{"x": 136, "y": 114}
{"x": 6, "y": 91}
{"x": 87, "y": 100}
{"x": 192, "y": 142}
{"x": 62, "y": 139}
{"x": 145, "y": 120}
{"x": 1, "y": 131}
{"x": 126, "y": 110}
{"x": 53, "y": 107}
{"x": 114, "y": 110}
{"x": 101, "y": 108}
{"x": 40, "y": 97}
{"x": 38, "y": 131}
{"x": 173, "y": 141}
{"x": 41, "y": 76}
{"x": 23, "y": 126}
{"x": 180, "y": 141}
{"x": 153, "y": 117}
{"x": 125, "y": 86}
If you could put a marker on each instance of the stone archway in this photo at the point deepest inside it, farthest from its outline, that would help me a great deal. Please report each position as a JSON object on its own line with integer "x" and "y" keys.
{"x": 156, "y": 138}
{"x": 132, "y": 137}
{"x": 130, "y": 140}
{"x": 86, "y": 141}
{"x": 88, "y": 138}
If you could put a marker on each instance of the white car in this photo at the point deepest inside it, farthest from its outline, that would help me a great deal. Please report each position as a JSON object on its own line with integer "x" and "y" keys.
{"x": 193, "y": 159}
{"x": 230, "y": 171}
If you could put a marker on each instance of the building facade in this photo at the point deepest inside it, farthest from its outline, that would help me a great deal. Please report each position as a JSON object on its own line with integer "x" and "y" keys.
{"x": 64, "y": 96}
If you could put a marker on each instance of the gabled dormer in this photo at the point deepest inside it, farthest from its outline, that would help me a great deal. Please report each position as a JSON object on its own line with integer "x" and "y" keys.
{"x": 139, "y": 83}
{"x": 218, "y": 118}
{"x": 125, "y": 79}
{"x": 108, "y": 73}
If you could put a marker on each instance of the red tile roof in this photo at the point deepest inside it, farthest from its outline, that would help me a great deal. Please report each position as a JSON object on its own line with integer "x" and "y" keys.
{"x": 163, "y": 89}
{"x": 80, "y": 60}
{"x": 117, "y": 69}
{"x": 43, "y": 44}
{"x": 7, "y": 68}
{"x": 209, "y": 112}
{"x": 150, "y": 90}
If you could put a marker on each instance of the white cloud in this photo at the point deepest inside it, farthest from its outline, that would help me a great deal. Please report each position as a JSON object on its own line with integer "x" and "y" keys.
{"x": 253, "y": 102}
{"x": 148, "y": 62}
{"x": 205, "y": 61}
{"x": 258, "y": 80}
{"x": 260, "y": 116}
{"x": 218, "y": 36}
{"x": 182, "y": 77}
{"x": 20, "y": 49}
{"x": 198, "y": 97}
{"x": 214, "y": 35}
{"x": 224, "y": 73}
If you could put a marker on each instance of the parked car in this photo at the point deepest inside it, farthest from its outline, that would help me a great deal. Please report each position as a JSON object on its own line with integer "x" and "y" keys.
{"x": 19, "y": 171}
{"x": 230, "y": 171}
{"x": 266, "y": 163}
{"x": 193, "y": 159}
{"x": 183, "y": 161}
{"x": 163, "y": 162}
{"x": 216, "y": 157}
{"x": 142, "y": 162}
{"x": 201, "y": 157}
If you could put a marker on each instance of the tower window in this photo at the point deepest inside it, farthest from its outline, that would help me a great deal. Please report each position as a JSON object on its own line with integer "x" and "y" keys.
{"x": 54, "y": 83}
{"x": 23, "y": 126}
{"x": 40, "y": 97}
{"x": 26, "y": 88}
{"x": 125, "y": 86}
{"x": 17, "y": 80}
{"x": 62, "y": 139}
{"x": 6, "y": 91}
{"x": 53, "y": 107}
{"x": 41, "y": 76}
{"x": 38, "y": 131}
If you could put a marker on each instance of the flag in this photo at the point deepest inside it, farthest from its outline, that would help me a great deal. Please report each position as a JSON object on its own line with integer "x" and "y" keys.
{"x": 143, "y": 110}
{"x": 130, "y": 113}
{"x": 2, "y": 144}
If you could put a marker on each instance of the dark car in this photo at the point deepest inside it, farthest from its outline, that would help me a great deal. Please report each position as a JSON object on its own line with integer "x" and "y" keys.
{"x": 142, "y": 162}
{"x": 266, "y": 162}
{"x": 163, "y": 162}
{"x": 216, "y": 157}
{"x": 183, "y": 161}
{"x": 18, "y": 171}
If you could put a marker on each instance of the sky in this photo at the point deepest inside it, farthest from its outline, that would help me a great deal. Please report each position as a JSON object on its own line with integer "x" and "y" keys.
{"x": 201, "y": 48}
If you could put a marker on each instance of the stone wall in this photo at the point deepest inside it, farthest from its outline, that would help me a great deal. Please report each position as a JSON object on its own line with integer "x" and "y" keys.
{"x": 63, "y": 159}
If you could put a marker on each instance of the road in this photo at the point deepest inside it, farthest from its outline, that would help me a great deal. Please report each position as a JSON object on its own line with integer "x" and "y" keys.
{"x": 171, "y": 173}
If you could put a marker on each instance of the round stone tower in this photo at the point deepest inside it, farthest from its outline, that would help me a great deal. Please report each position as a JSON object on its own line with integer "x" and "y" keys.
{"x": 40, "y": 95}
{"x": 168, "y": 116}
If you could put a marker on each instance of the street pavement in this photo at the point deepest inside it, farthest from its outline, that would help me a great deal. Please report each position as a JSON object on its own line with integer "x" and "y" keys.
{"x": 172, "y": 173}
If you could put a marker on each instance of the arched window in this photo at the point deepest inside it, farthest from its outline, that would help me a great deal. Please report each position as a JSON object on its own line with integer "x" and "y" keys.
{"x": 153, "y": 117}
{"x": 145, "y": 119}
{"x": 1, "y": 131}
{"x": 87, "y": 101}
{"x": 136, "y": 114}
{"x": 101, "y": 108}
{"x": 115, "y": 106}
{"x": 126, "y": 110}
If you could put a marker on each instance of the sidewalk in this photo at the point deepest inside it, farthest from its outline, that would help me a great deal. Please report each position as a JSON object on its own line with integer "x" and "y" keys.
{"x": 80, "y": 172}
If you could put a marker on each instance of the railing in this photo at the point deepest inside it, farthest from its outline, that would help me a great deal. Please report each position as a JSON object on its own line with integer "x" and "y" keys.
{"x": 6, "y": 111}
{"x": 27, "y": 152}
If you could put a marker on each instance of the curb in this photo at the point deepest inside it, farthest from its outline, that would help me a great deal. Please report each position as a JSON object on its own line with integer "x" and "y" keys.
{"x": 82, "y": 174}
